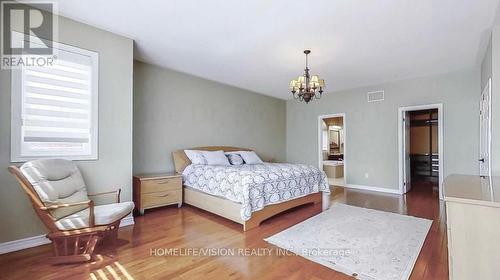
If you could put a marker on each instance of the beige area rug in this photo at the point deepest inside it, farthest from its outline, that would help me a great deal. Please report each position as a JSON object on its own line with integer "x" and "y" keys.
{"x": 364, "y": 243}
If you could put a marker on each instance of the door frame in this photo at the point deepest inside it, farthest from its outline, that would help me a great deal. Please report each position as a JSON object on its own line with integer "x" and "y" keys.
{"x": 401, "y": 154}
{"x": 487, "y": 86}
{"x": 320, "y": 136}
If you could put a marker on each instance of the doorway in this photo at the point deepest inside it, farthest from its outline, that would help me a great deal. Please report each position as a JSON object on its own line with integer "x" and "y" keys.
{"x": 331, "y": 149}
{"x": 421, "y": 149}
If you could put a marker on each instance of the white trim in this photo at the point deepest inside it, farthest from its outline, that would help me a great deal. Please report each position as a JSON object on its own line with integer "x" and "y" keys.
{"x": 320, "y": 135}
{"x": 373, "y": 189}
{"x": 24, "y": 243}
{"x": 38, "y": 240}
{"x": 401, "y": 110}
{"x": 489, "y": 128}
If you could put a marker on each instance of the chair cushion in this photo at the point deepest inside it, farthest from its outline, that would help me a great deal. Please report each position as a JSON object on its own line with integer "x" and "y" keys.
{"x": 103, "y": 215}
{"x": 56, "y": 181}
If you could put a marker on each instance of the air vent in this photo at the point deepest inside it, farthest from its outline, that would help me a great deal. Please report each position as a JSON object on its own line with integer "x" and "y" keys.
{"x": 375, "y": 96}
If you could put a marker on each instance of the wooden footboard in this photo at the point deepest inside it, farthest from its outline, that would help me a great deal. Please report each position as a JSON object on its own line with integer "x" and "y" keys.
{"x": 231, "y": 210}
{"x": 271, "y": 210}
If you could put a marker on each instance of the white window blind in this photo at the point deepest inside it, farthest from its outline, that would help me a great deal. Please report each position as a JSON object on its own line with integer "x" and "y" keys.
{"x": 55, "y": 107}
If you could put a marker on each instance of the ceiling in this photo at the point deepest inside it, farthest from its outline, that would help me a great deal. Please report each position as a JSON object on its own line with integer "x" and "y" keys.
{"x": 335, "y": 121}
{"x": 257, "y": 45}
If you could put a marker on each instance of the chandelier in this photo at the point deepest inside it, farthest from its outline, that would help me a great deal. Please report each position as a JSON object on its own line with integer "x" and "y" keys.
{"x": 307, "y": 87}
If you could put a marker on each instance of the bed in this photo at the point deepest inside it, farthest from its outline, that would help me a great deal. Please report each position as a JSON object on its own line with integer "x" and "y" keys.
{"x": 248, "y": 194}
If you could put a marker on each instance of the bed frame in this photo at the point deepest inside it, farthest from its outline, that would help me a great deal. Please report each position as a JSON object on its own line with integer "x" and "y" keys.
{"x": 229, "y": 209}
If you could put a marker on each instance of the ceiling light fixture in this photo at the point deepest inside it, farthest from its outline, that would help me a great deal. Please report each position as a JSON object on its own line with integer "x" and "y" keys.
{"x": 307, "y": 87}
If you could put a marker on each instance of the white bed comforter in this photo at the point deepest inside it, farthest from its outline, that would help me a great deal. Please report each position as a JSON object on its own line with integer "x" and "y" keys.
{"x": 256, "y": 185}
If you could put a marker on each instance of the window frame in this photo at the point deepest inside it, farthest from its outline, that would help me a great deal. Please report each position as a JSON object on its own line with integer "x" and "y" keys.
{"x": 17, "y": 93}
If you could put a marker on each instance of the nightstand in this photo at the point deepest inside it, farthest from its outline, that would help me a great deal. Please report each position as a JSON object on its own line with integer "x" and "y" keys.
{"x": 155, "y": 190}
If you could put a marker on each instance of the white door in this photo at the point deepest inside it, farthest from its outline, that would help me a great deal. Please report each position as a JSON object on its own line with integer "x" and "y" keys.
{"x": 485, "y": 131}
{"x": 406, "y": 152}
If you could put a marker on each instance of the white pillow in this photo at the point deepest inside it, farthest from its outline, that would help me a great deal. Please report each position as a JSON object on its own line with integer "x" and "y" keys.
{"x": 250, "y": 157}
{"x": 215, "y": 158}
{"x": 196, "y": 157}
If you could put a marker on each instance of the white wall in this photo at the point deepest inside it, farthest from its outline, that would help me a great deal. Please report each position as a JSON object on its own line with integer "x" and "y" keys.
{"x": 372, "y": 128}
{"x": 114, "y": 167}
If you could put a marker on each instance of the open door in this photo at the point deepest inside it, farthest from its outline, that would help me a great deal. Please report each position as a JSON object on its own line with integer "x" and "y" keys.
{"x": 420, "y": 161}
{"x": 406, "y": 152}
{"x": 485, "y": 131}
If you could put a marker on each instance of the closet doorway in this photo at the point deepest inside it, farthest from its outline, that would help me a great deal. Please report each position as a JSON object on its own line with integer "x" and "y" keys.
{"x": 421, "y": 149}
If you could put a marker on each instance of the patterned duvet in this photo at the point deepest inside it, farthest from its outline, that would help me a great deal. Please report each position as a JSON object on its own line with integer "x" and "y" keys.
{"x": 256, "y": 185}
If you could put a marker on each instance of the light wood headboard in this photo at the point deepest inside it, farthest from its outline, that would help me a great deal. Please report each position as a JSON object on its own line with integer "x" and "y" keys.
{"x": 181, "y": 161}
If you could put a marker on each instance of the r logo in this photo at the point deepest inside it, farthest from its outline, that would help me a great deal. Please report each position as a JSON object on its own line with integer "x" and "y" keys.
{"x": 33, "y": 19}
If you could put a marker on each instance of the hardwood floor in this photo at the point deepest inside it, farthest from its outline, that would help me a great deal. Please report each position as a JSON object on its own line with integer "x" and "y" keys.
{"x": 189, "y": 227}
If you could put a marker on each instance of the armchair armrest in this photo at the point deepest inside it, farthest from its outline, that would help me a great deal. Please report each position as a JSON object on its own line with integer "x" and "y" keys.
{"x": 90, "y": 204}
{"x": 106, "y": 197}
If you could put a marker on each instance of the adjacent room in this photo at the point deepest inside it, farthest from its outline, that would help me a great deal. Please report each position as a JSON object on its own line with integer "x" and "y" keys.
{"x": 249, "y": 139}
{"x": 332, "y": 150}
{"x": 424, "y": 150}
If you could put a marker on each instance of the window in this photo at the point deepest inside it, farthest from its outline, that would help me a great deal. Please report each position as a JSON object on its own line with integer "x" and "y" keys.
{"x": 55, "y": 108}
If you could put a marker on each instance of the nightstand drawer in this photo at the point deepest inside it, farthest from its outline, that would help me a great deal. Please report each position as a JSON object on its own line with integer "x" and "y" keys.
{"x": 160, "y": 198}
{"x": 155, "y": 190}
{"x": 160, "y": 185}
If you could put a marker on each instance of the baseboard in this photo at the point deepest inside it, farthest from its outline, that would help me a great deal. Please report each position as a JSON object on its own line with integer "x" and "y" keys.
{"x": 24, "y": 243}
{"x": 372, "y": 189}
{"x": 38, "y": 240}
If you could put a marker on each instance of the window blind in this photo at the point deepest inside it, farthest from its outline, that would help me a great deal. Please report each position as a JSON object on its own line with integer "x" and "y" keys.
{"x": 55, "y": 107}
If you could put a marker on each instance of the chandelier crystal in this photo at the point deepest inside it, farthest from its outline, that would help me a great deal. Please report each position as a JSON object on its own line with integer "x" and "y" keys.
{"x": 307, "y": 87}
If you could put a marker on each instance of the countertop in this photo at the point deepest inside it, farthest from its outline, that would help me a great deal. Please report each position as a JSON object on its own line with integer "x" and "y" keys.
{"x": 472, "y": 190}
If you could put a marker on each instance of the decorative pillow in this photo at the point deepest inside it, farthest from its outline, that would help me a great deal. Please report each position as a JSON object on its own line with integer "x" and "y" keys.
{"x": 235, "y": 159}
{"x": 196, "y": 157}
{"x": 215, "y": 158}
{"x": 250, "y": 157}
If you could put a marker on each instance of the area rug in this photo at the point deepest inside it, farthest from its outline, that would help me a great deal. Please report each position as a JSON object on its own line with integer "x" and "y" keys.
{"x": 364, "y": 243}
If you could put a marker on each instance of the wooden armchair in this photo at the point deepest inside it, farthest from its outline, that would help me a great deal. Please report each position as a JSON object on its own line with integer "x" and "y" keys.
{"x": 59, "y": 196}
